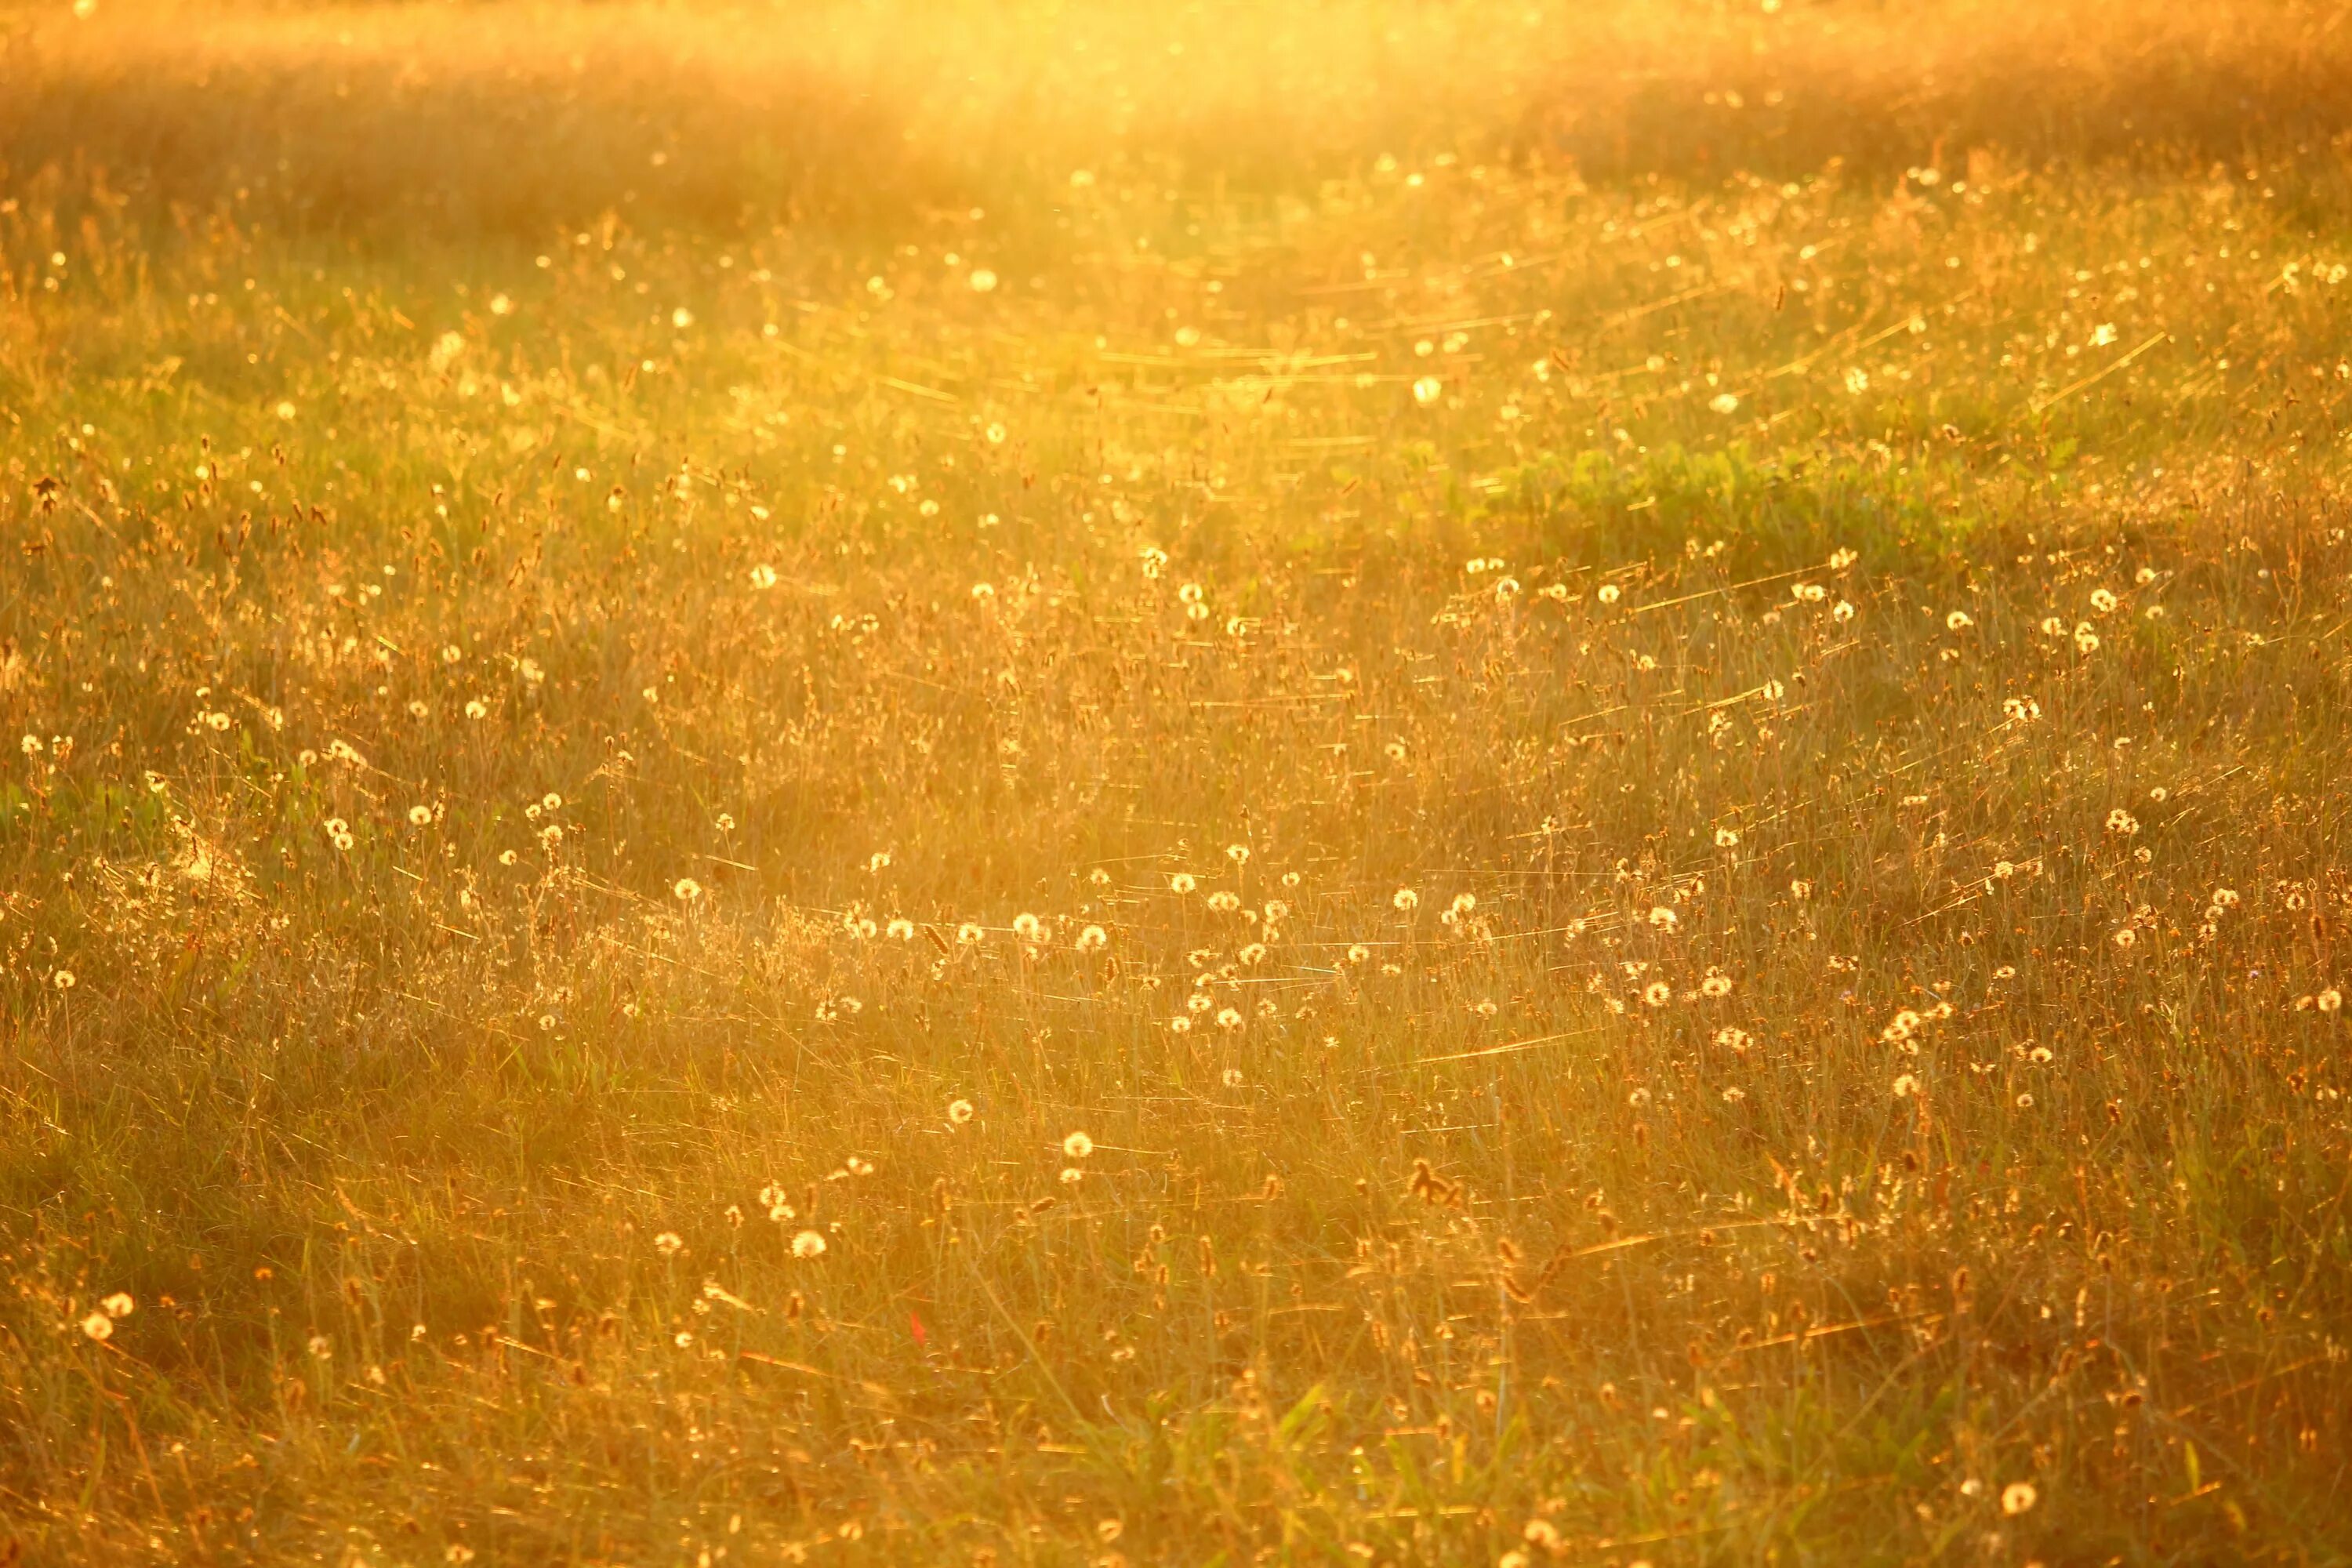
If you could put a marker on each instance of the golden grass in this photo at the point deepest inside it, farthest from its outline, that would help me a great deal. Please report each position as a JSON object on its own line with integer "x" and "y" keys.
{"x": 1660, "y": 778}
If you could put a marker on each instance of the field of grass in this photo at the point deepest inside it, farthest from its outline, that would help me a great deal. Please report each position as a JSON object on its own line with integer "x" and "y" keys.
{"x": 1005, "y": 782}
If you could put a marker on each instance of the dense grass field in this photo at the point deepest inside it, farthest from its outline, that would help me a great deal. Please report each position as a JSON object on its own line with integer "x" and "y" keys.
{"x": 996, "y": 781}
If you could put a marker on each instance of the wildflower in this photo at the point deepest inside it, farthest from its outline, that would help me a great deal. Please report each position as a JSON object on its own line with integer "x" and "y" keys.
{"x": 420, "y": 816}
{"x": 63, "y": 979}
{"x": 1238, "y": 854}
{"x": 1733, "y": 1095}
{"x": 320, "y": 1348}
{"x": 1358, "y": 953}
{"x": 970, "y": 935}
{"x": 763, "y": 577}
{"x": 1857, "y": 381}
{"x": 1957, "y": 621}
{"x": 1078, "y": 1145}
{"x": 1428, "y": 390}
{"x": 1232, "y": 1077}
{"x": 1028, "y": 928}
{"x": 1406, "y": 899}
{"x": 1662, "y": 918}
{"x": 1905, "y": 1086}
{"x": 119, "y": 1305}
{"x": 1657, "y": 994}
{"x": 1800, "y": 890}
{"x": 2125, "y": 937}
{"x": 1715, "y": 985}
{"x": 668, "y": 1243}
{"x": 1732, "y": 1039}
{"x": 2330, "y": 1000}
{"x": 98, "y": 1326}
{"x": 1844, "y": 612}
{"x": 2103, "y": 600}
{"x": 1072, "y": 1176}
{"x": 1224, "y": 901}
{"x": 1725, "y": 838}
{"x": 959, "y": 1111}
{"x": 1181, "y": 882}
{"x": 1093, "y": 939}
{"x": 808, "y": 1244}
{"x": 1229, "y": 1019}
{"x": 901, "y": 929}
{"x": 2018, "y": 1497}
{"x": 1608, "y": 592}
{"x": 1724, "y": 402}
{"x": 2121, "y": 822}
{"x": 687, "y": 889}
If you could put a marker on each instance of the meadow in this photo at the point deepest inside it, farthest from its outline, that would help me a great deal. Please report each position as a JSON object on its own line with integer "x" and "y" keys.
{"x": 1009, "y": 782}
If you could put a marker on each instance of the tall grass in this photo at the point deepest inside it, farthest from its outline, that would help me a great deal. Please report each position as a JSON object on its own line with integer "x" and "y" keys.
{"x": 1000, "y": 784}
